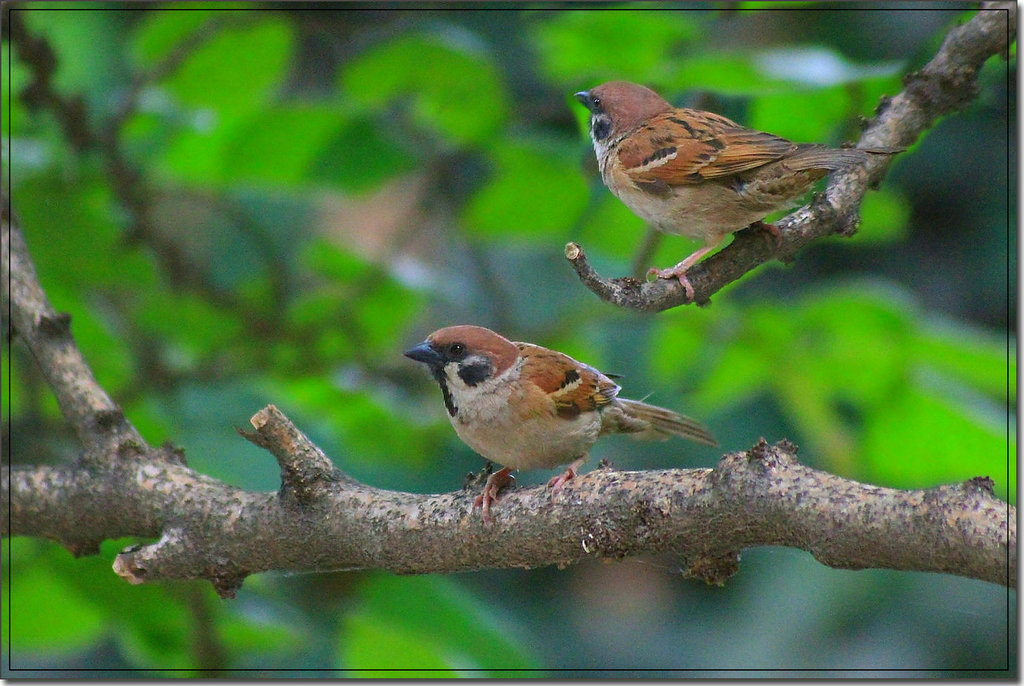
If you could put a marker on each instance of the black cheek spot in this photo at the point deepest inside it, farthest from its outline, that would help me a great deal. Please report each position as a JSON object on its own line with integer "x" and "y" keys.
{"x": 600, "y": 128}
{"x": 472, "y": 374}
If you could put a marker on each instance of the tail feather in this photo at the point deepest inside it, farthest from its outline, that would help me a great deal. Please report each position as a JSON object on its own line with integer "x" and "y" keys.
{"x": 813, "y": 156}
{"x": 657, "y": 423}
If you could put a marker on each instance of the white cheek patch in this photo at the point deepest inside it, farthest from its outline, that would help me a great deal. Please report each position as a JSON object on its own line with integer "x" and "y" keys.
{"x": 481, "y": 401}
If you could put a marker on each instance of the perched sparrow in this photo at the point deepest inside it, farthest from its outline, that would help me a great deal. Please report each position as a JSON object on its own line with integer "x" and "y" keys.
{"x": 526, "y": 407}
{"x": 696, "y": 173}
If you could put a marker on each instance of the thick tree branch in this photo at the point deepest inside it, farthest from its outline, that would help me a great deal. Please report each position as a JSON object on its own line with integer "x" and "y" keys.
{"x": 705, "y": 516}
{"x": 946, "y": 83}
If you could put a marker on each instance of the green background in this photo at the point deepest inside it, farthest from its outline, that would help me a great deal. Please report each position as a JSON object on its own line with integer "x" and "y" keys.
{"x": 324, "y": 187}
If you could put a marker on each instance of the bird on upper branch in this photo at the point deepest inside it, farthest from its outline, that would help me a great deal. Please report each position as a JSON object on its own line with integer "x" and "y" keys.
{"x": 696, "y": 173}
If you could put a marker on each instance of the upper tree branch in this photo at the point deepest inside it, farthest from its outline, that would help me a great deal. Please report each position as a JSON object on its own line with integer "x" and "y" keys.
{"x": 946, "y": 83}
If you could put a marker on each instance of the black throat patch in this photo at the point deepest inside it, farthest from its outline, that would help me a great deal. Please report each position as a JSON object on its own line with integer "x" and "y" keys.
{"x": 475, "y": 372}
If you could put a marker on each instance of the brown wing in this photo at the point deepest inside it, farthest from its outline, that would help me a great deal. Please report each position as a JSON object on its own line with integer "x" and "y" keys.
{"x": 571, "y": 387}
{"x": 690, "y": 146}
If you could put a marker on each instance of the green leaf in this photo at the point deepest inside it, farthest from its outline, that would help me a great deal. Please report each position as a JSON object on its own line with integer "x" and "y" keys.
{"x": 354, "y": 417}
{"x": 921, "y": 438}
{"x": 612, "y": 229}
{"x": 775, "y": 72}
{"x": 88, "y": 62}
{"x": 752, "y": 6}
{"x": 885, "y": 216}
{"x": 817, "y": 113}
{"x": 536, "y": 192}
{"x": 981, "y": 360}
{"x": 108, "y": 354}
{"x": 327, "y": 259}
{"x": 69, "y": 225}
{"x": 19, "y": 120}
{"x": 425, "y": 622}
{"x": 370, "y": 642}
{"x": 834, "y": 362}
{"x": 725, "y": 73}
{"x": 448, "y": 87}
{"x": 148, "y": 622}
{"x": 188, "y": 325}
{"x": 384, "y": 312}
{"x": 154, "y": 420}
{"x": 45, "y": 613}
{"x": 254, "y": 634}
{"x": 359, "y": 157}
{"x": 279, "y": 145}
{"x": 854, "y": 343}
{"x": 678, "y": 339}
{"x": 583, "y": 48}
{"x": 740, "y": 375}
{"x": 61, "y": 603}
{"x": 236, "y": 72}
{"x": 193, "y": 158}
{"x": 161, "y": 31}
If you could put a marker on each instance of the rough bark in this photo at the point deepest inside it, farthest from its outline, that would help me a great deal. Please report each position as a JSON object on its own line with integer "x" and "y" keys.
{"x": 324, "y": 520}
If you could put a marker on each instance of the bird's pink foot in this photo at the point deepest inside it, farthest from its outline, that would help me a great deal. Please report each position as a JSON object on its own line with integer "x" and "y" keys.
{"x": 674, "y": 273}
{"x": 495, "y": 482}
{"x": 556, "y": 482}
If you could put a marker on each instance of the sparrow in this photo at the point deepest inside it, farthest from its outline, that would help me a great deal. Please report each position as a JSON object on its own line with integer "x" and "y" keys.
{"x": 696, "y": 173}
{"x": 526, "y": 407}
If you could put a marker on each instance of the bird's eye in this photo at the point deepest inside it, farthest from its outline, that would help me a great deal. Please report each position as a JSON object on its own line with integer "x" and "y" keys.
{"x": 596, "y": 101}
{"x": 456, "y": 350}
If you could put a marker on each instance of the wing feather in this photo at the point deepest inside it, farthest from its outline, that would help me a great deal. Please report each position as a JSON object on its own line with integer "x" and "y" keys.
{"x": 570, "y": 386}
{"x": 687, "y": 147}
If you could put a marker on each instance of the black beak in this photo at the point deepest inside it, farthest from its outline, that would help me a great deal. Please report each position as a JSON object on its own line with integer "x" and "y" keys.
{"x": 424, "y": 353}
{"x": 584, "y": 98}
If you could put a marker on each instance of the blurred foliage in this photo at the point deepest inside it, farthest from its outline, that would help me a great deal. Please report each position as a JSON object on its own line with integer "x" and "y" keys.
{"x": 322, "y": 188}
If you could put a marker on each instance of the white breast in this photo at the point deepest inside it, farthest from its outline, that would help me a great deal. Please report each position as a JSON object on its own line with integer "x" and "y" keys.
{"x": 486, "y": 423}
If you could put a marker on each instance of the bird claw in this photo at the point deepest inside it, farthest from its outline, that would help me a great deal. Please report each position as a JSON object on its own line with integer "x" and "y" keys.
{"x": 495, "y": 482}
{"x": 674, "y": 273}
{"x": 556, "y": 482}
